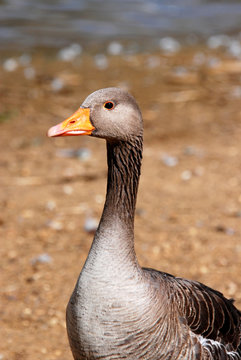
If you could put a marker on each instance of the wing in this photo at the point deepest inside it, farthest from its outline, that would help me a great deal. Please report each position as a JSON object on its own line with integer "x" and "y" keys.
{"x": 207, "y": 312}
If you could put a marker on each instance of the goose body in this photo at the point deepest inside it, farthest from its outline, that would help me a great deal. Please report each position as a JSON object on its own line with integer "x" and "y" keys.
{"x": 119, "y": 310}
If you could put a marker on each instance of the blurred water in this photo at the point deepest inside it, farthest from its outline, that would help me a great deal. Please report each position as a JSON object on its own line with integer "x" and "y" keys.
{"x": 26, "y": 24}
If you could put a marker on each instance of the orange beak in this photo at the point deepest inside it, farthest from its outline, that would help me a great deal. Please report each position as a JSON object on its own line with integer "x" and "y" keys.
{"x": 77, "y": 124}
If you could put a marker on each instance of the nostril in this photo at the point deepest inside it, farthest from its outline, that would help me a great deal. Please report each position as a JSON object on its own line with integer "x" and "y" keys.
{"x": 72, "y": 122}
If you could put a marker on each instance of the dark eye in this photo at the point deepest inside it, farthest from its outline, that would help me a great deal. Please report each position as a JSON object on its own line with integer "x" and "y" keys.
{"x": 109, "y": 105}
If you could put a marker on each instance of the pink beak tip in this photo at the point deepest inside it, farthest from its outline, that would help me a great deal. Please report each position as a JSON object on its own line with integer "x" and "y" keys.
{"x": 53, "y": 131}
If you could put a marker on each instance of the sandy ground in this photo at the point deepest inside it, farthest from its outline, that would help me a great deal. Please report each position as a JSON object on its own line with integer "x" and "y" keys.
{"x": 188, "y": 220}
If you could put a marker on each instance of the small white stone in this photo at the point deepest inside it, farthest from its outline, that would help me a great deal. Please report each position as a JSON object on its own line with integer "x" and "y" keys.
{"x": 51, "y": 205}
{"x": 115, "y": 48}
{"x": 55, "y": 225}
{"x": 153, "y": 62}
{"x": 29, "y": 73}
{"x": 83, "y": 154}
{"x": 234, "y": 48}
{"x": 90, "y": 225}
{"x": 10, "y": 64}
{"x": 180, "y": 71}
{"x": 101, "y": 61}
{"x": 70, "y": 53}
{"x": 57, "y": 84}
{"x": 215, "y": 41}
{"x": 186, "y": 175}
{"x": 42, "y": 258}
{"x": 230, "y": 231}
{"x": 99, "y": 199}
{"x": 169, "y": 45}
{"x": 25, "y": 59}
{"x": 27, "y": 311}
{"x": 170, "y": 161}
{"x": 67, "y": 189}
{"x": 212, "y": 62}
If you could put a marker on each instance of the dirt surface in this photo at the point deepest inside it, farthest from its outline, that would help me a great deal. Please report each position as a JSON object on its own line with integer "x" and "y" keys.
{"x": 188, "y": 219}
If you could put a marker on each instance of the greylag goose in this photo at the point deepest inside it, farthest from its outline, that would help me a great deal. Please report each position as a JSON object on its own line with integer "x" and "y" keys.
{"x": 119, "y": 310}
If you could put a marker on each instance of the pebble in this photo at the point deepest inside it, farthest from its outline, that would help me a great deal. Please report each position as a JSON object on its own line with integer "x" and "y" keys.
{"x": 141, "y": 212}
{"x": 232, "y": 288}
{"x": 55, "y": 225}
{"x": 10, "y": 65}
{"x": 25, "y": 59}
{"x": 234, "y": 48}
{"x": 82, "y": 154}
{"x": 204, "y": 269}
{"x": 169, "y": 45}
{"x": 70, "y": 53}
{"x": 101, "y": 61}
{"x": 212, "y": 62}
{"x": 199, "y": 171}
{"x": 67, "y": 189}
{"x": 236, "y": 92}
{"x": 189, "y": 150}
{"x": 27, "y": 311}
{"x": 153, "y": 62}
{"x": 53, "y": 321}
{"x": 50, "y": 205}
{"x": 115, "y": 48}
{"x": 180, "y": 71}
{"x": 58, "y": 352}
{"x": 224, "y": 229}
{"x": 57, "y": 84}
{"x": 27, "y": 214}
{"x": 216, "y": 41}
{"x": 232, "y": 45}
{"x": 99, "y": 199}
{"x": 199, "y": 58}
{"x": 90, "y": 225}
{"x": 230, "y": 231}
{"x": 29, "y": 73}
{"x": 186, "y": 175}
{"x": 42, "y": 259}
{"x": 193, "y": 151}
{"x": 169, "y": 160}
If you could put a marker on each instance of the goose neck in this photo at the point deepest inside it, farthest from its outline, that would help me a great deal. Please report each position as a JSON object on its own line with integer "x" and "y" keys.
{"x": 124, "y": 165}
{"x": 114, "y": 238}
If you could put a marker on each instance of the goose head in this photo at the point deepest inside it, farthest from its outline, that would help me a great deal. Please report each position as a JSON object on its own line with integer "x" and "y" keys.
{"x": 109, "y": 113}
